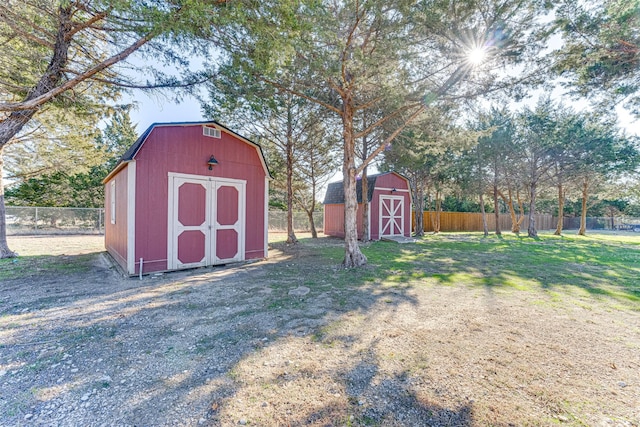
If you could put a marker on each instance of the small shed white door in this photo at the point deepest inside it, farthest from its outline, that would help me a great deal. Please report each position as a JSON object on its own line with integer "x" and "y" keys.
{"x": 206, "y": 221}
{"x": 391, "y": 219}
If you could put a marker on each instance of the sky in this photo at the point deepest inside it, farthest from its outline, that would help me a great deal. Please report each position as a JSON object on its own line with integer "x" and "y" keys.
{"x": 153, "y": 108}
{"x": 156, "y": 109}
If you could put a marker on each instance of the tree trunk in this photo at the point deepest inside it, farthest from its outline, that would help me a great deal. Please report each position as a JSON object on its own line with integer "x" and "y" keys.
{"x": 436, "y": 222}
{"x": 312, "y": 225}
{"x": 10, "y": 126}
{"x": 353, "y": 257}
{"x": 613, "y": 224}
{"x": 13, "y": 124}
{"x": 496, "y": 208}
{"x": 418, "y": 206}
{"x": 583, "y": 214}
{"x": 485, "y": 228}
{"x": 531, "y": 231}
{"x": 515, "y": 225}
{"x": 365, "y": 206}
{"x": 365, "y": 186}
{"x": 291, "y": 235}
{"x": 521, "y": 209}
{"x": 5, "y": 252}
{"x": 560, "y": 225}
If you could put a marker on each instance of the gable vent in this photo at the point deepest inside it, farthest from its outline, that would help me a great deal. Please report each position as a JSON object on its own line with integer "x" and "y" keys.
{"x": 212, "y": 132}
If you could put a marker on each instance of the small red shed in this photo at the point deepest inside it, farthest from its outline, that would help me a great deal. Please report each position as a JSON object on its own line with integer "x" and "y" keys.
{"x": 389, "y": 197}
{"x": 187, "y": 195}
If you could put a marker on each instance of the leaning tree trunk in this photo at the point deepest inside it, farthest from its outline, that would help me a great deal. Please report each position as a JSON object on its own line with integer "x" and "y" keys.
{"x": 531, "y": 231}
{"x": 485, "y": 227}
{"x": 560, "y": 225}
{"x": 14, "y": 122}
{"x": 5, "y": 252}
{"x": 583, "y": 214}
{"x": 496, "y": 208}
{"x": 312, "y": 225}
{"x": 353, "y": 257}
{"x": 515, "y": 225}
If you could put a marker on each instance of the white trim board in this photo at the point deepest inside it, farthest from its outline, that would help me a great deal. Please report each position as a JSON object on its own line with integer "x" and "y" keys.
{"x": 397, "y": 190}
{"x": 266, "y": 217}
{"x": 369, "y": 220}
{"x": 206, "y": 178}
{"x": 131, "y": 217}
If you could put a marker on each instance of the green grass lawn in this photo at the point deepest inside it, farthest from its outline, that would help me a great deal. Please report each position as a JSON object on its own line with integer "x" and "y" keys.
{"x": 50, "y": 254}
{"x": 597, "y": 265}
{"x": 34, "y": 265}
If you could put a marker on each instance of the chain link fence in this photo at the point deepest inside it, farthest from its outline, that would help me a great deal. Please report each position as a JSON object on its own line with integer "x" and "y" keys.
{"x": 617, "y": 223}
{"x": 278, "y": 221}
{"x": 43, "y": 220}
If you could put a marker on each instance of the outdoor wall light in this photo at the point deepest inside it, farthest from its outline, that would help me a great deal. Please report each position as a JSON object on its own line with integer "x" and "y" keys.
{"x": 212, "y": 162}
{"x": 393, "y": 190}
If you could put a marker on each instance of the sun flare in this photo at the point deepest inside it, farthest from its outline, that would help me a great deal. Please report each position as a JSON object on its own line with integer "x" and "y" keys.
{"x": 477, "y": 56}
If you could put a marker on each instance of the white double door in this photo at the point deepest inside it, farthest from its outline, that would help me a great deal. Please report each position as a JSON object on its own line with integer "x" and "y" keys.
{"x": 206, "y": 221}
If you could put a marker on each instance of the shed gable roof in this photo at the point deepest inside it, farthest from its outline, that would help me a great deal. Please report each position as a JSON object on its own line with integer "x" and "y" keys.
{"x": 135, "y": 147}
{"x": 335, "y": 190}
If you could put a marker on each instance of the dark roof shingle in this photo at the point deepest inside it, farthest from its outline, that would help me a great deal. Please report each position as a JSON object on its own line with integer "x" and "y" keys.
{"x": 335, "y": 190}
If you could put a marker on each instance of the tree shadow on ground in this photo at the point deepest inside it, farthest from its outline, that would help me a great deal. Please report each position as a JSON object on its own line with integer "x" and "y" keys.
{"x": 387, "y": 401}
{"x": 87, "y": 346}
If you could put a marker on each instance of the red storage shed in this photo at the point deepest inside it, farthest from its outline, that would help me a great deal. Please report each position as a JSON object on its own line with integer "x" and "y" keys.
{"x": 389, "y": 199}
{"x": 187, "y": 195}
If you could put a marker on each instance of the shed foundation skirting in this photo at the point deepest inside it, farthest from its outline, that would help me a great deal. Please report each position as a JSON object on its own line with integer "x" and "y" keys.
{"x": 119, "y": 259}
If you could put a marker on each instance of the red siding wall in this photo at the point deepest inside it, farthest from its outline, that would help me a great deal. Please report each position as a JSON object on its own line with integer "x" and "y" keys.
{"x": 115, "y": 235}
{"x": 334, "y": 214}
{"x": 334, "y": 220}
{"x": 184, "y": 149}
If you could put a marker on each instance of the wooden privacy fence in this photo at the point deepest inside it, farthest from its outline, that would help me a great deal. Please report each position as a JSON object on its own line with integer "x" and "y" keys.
{"x": 469, "y": 221}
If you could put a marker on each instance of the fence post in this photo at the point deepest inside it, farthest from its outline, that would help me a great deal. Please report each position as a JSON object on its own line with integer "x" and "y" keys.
{"x": 36, "y": 224}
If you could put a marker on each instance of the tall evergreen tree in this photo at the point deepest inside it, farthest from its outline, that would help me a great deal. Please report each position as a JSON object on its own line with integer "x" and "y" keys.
{"x": 424, "y": 152}
{"x": 79, "y": 187}
{"x": 355, "y": 56}
{"x": 295, "y": 133}
{"x": 601, "y": 50}
{"x": 536, "y": 139}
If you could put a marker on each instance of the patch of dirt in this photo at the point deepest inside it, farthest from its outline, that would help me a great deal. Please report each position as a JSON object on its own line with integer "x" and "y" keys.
{"x": 231, "y": 346}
